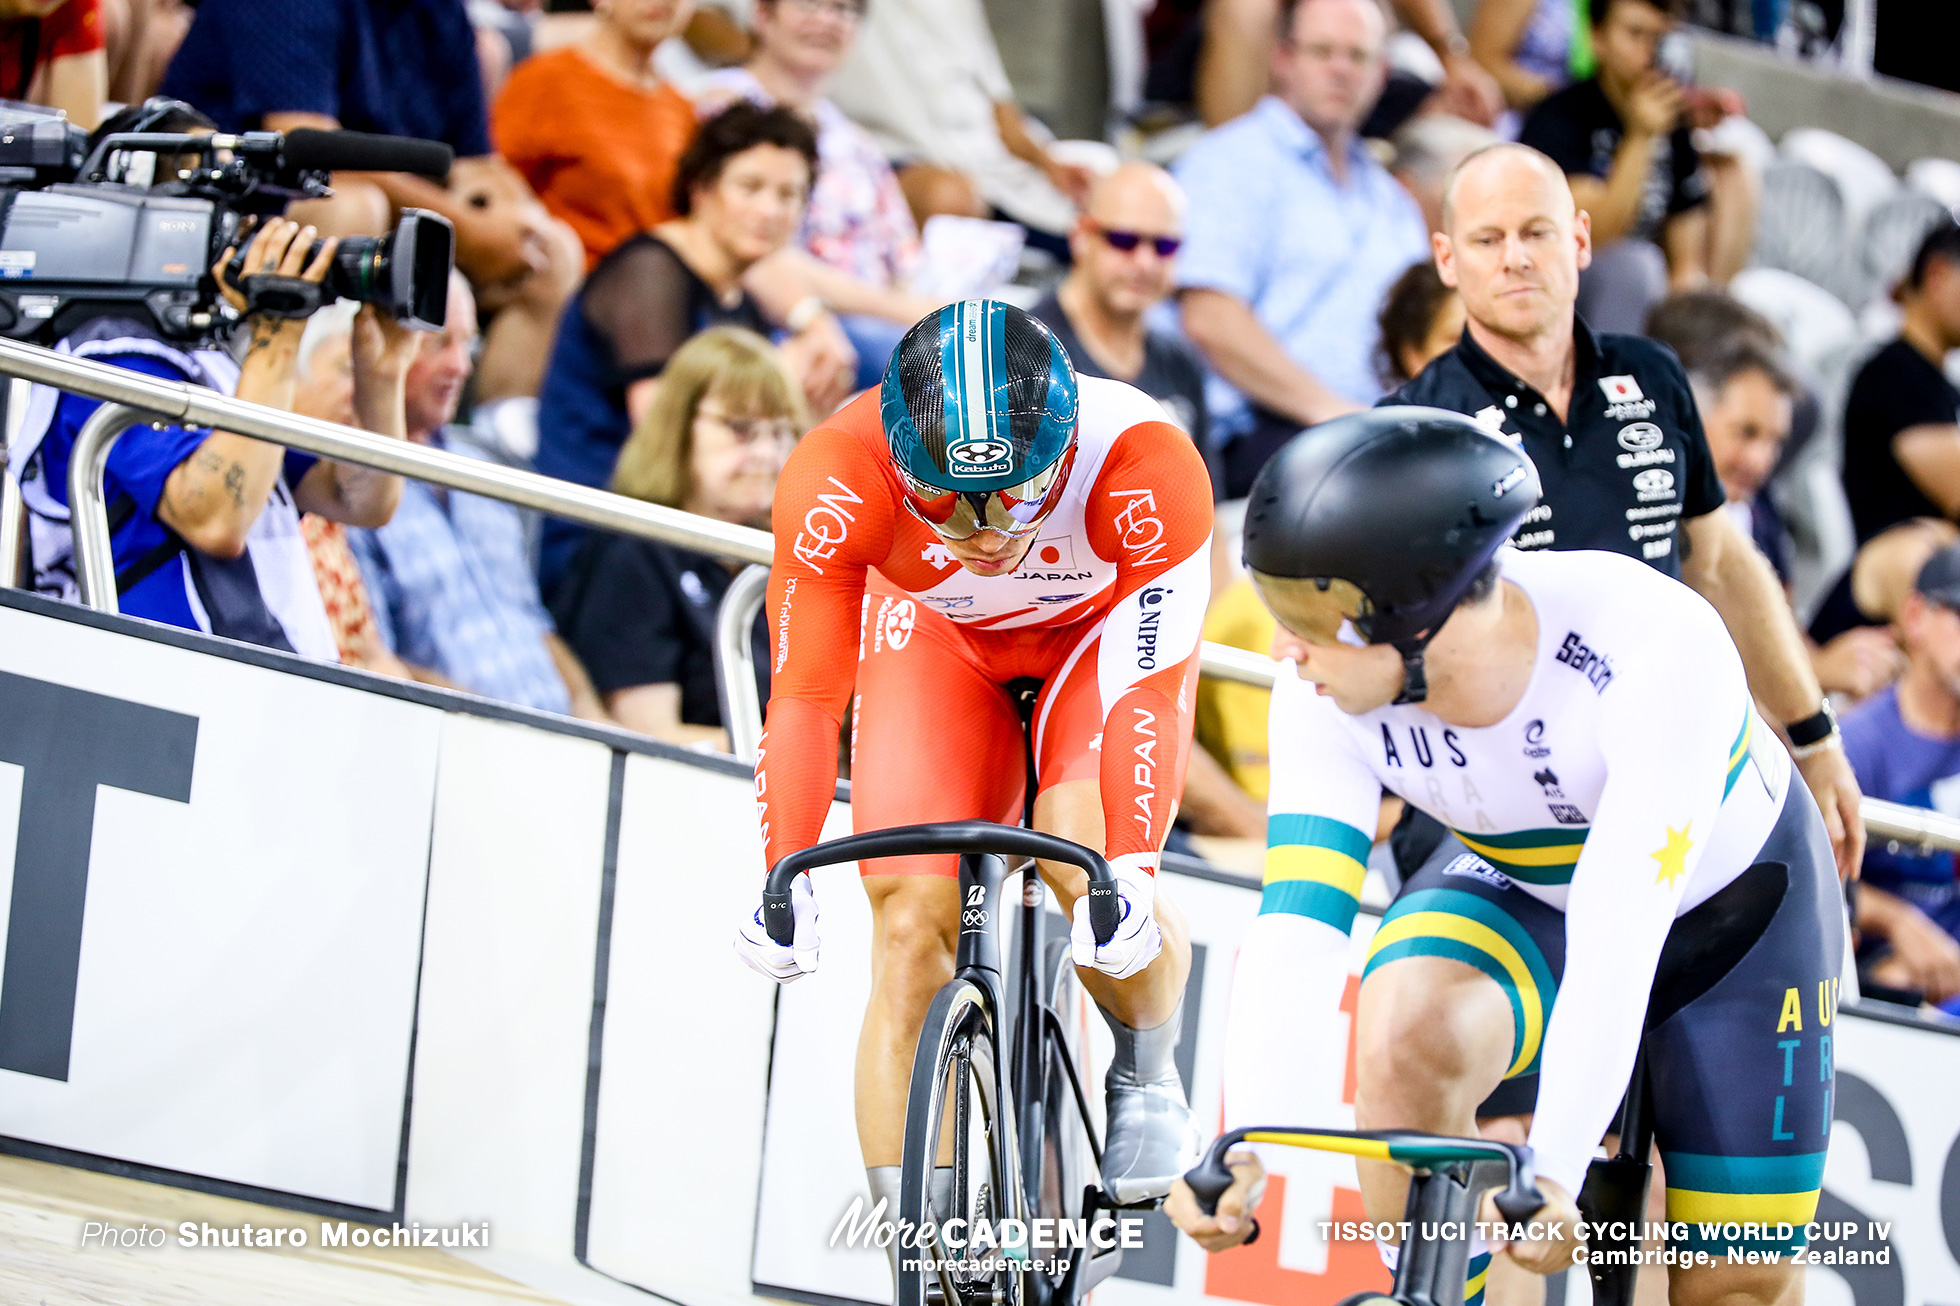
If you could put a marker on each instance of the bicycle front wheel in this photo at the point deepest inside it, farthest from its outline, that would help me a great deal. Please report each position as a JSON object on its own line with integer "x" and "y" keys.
{"x": 958, "y": 1181}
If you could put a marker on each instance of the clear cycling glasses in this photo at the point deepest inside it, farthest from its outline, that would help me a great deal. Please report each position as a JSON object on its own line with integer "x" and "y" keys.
{"x": 1015, "y": 511}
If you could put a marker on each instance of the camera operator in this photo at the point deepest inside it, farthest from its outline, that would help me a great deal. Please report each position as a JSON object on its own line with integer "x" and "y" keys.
{"x": 205, "y": 523}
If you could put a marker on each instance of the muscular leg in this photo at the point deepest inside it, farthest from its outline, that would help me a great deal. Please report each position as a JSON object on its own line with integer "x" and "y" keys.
{"x": 902, "y": 775}
{"x": 1148, "y": 998}
{"x": 1150, "y": 1133}
{"x": 914, "y": 925}
{"x": 1433, "y": 1038}
{"x": 1736, "y": 1285}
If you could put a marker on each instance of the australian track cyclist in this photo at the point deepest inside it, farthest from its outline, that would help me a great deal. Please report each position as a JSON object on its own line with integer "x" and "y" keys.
{"x": 1641, "y": 859}
{"x": 984, "y": 517}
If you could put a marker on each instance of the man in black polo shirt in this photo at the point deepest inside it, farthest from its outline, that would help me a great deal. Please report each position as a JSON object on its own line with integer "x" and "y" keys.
{"x": 1611, "y": 424}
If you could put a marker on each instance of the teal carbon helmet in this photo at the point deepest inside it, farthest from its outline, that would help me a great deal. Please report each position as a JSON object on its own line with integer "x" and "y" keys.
{"x": 979, "y": 405}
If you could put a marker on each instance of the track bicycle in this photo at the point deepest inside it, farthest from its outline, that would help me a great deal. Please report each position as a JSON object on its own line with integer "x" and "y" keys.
{"x": 1449, "y": 1176}
{"x": 1019, "y": 1127}
{"x": 1449, "y": 1179}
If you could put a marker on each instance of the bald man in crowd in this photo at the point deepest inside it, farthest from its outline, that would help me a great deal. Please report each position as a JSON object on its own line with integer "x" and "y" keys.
{"x": 1124, "y": 244}
{"x": 1612, "y": 426}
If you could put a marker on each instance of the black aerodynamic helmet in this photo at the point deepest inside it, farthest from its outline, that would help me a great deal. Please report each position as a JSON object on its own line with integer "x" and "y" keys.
{"x": 1383, "y": 520}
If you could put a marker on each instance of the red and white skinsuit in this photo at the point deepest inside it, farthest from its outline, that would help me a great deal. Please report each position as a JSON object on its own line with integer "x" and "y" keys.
{"x": 1105, "y": 610}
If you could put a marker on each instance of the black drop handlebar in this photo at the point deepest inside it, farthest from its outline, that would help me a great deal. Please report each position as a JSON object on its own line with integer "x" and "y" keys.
{"x": 942, "y": 837}
{"x": 1520, "y": 1199}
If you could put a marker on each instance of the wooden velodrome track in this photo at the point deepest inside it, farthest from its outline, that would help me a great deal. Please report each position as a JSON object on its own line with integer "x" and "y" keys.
{"x": 43, "y": 1263}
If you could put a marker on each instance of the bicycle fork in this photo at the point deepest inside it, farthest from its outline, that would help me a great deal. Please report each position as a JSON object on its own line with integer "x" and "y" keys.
{"x": 1029, "y": 1032}
{"x": 1431, "y": 1269}
{"x": 977, "y": 960}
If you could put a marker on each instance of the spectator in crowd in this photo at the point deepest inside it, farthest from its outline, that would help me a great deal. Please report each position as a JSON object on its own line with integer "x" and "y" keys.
{"x": 641, "y": 614}
{"x": 142, "y": 36}
{"x": 740, "y": 191}
{"x": 1421, "y": 319}
{"x": 403, "y": 69}
{"x": 1750, "y": 408}
{"x": 1746, "y": 398}
{"x": 1625, "y": 141}
{"x": 52, "y": 53}
{"x": 1236, "y": 53}
{"x": 205, "y": 524}
{"x": 1427, "y": 151}
{"x": 925, "y": 78}
{"x": 1870, "y": 592}
{"x": 1905, "y": 747}
{"x": 1698, "y": 324}
{"x": 367, "y": 65}
{"x": 450, "y": 577}
{"x": 595, "y": 130}
{"x": 1123, "y": 245}
{"x": 857, "y": 226}
{"x": 1528, "y": 365}
{"x": 1902, "y": 417}
{"x": 1527, "y": 45}
{"x": 1293, "y": 236}
{"x": 325, "y": 390}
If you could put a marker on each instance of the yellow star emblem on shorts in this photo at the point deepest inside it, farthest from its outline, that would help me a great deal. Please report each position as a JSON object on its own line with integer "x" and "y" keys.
{"x": 1673, "y": 856}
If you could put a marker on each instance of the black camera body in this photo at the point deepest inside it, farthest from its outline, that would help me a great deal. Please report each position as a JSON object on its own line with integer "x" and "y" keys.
{"x": 76, "y": 244}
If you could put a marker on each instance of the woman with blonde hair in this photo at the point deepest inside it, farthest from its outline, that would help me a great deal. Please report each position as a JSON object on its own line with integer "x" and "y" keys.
{"x": 640, "y": 614}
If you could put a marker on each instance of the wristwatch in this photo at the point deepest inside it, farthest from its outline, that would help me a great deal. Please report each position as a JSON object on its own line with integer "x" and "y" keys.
{"x": 1813, "y": 729}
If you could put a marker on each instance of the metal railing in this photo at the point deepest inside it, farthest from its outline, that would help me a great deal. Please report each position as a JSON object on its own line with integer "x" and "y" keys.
{"x": 132, "y": 398}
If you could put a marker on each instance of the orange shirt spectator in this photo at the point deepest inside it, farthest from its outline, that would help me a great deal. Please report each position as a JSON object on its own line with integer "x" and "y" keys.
{"x": 53, "y": 54}
{"x": 599, "y": 152}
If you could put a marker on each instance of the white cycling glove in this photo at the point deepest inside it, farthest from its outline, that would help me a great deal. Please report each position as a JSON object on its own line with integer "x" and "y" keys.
{"x": 765, "y": 956}
{"x": 1137, "y": 940}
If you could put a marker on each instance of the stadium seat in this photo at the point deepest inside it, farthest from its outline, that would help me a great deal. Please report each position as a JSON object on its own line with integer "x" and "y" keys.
{"x": 1736, "y": 135}
{"x": 1864, "y": 180}
{"x": 1800, "y": 227}
{"x": 1825, "y": 344}
{"x": 1893, "y": 231}
{"x": 1814, "y": 322}
{"x": 1939, "y": 178}
{"x": 1810, "y": 495}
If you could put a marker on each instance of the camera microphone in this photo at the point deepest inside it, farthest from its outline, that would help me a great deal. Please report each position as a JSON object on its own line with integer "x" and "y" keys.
{"x": 308, "y": 149}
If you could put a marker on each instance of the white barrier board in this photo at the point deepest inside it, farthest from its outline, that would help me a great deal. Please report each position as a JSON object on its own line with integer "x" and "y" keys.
{"x": 248, "y": 850}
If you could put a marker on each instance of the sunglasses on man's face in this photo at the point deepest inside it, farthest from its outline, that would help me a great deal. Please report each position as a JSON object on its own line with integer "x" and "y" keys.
{"x": 1127, "y": 241}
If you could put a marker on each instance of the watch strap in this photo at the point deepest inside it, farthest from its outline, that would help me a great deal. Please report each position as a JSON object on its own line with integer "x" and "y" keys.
{"x": 1815, "y": 728}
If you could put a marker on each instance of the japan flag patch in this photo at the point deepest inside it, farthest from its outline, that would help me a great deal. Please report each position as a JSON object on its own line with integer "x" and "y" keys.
{"x": 1621, "y": 389}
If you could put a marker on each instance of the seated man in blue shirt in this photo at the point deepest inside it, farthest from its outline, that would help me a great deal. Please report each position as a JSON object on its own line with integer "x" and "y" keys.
{"x": 450, "y": 576}
{"x": 1904, "y": 744}
{"x": 1294, "y": 235}
{"x": 205, "y": 524}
